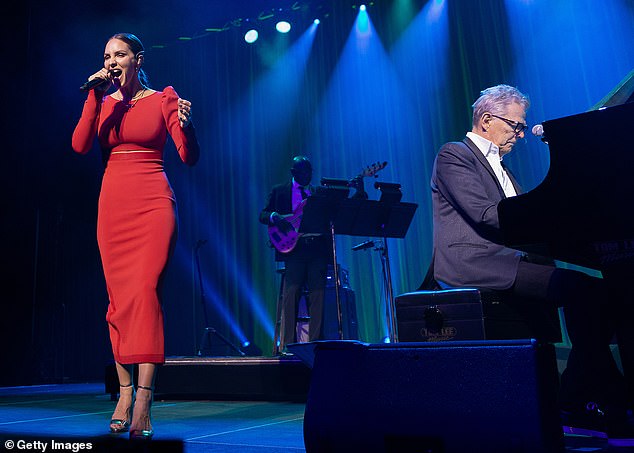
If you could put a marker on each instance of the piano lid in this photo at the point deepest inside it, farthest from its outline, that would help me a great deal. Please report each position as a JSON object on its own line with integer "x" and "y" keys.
{"x": 583, "y": 211}
{"x": 623, "y": 93}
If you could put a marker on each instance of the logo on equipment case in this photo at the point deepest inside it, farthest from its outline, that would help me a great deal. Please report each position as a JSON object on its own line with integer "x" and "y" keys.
{"x": 444, "y": 334}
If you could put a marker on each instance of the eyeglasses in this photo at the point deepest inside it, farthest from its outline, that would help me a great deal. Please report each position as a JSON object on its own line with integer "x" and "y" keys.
{"x": 518, "y": 128}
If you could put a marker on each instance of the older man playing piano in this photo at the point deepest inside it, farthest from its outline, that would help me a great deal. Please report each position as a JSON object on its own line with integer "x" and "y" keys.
{"x": 468, "y": 181}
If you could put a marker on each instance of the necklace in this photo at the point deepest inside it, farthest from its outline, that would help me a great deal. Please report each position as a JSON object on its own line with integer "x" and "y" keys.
{"x": 135, "y": 99}
{"x": 132, "y": 102}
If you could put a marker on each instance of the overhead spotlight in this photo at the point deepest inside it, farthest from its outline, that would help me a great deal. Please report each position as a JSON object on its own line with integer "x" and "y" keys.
{"x": 316, "y": 21}
{"x": 362, "y": 7}
{"x": 251, "y": 36}
{"x": 283, "y": 26}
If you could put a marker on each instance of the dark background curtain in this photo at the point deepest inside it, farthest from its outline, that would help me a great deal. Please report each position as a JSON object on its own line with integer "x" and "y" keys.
{"x": 391, "y": 84}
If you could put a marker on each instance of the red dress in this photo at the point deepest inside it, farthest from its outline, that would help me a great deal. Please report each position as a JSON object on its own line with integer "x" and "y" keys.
{"x": 137, "y": 223}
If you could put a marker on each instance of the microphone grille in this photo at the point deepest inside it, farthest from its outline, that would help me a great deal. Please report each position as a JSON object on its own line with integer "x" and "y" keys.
{"x": 538, "y": 130}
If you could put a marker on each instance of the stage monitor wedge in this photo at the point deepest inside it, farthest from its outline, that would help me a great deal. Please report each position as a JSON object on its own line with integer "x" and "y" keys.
{"x": 452, "y": 397}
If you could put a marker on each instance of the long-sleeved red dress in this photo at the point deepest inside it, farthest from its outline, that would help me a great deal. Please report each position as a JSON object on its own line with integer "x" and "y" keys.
{"x": 137, "y": 219}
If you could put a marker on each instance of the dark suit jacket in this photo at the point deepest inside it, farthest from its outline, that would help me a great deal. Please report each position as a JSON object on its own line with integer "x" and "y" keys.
{"x": 280, "y": 200}
{"x": 468, "y": 249}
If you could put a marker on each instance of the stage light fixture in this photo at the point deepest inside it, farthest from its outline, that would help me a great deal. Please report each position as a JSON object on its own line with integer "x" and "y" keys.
{"x": 362, "y": 7}
{"x": 316, "y": 21}
{"x": 251, "y": 36}
{"x": 283, "y": 26}
{"x": 266, "y": 15}
{"x": 250, "y": 349}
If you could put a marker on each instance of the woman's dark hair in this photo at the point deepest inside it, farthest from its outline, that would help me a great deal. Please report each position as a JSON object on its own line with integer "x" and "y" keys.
{"x": 136, "y": 46}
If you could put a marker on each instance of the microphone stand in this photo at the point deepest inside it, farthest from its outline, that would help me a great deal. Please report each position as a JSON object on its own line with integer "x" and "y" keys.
{"x": 390, "y": 308}
{"x": 208, "y": 330}
{"x": 390, "y": 311}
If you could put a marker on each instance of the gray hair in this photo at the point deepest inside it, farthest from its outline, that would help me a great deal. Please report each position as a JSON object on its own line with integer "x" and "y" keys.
{"x": 496, "y": 99}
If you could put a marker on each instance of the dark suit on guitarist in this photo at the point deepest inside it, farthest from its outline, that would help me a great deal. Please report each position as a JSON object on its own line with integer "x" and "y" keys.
{"x": 307, "y": 264}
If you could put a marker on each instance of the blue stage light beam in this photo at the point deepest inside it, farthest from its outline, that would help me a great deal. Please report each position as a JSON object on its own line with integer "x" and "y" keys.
{"x": 362, "y": 23}
{"x": 243, "y": 285}
{"x": 365, "y": 116}
{"x": 593, "y": 53}
{"x": 213, "y": 299}
{"x": 219, "y": 247}
{"x": 421, "y": 59}
{"x": 279, "y": 86}
{"x": 435, "y": 9}
{"x": 234, "y": 275}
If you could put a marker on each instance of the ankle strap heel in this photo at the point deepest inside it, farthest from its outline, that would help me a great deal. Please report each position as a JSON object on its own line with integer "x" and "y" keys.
{"x": 121, "y": 425}
{"x": 145, "y": 432}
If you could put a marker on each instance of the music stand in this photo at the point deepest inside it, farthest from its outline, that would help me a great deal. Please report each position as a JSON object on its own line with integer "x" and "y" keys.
{"x": 317, "y": 218}
{"x": 359, "y": 217}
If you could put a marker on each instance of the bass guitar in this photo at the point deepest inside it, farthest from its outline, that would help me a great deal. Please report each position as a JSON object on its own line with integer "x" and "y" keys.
{"x": 285, "y": 242}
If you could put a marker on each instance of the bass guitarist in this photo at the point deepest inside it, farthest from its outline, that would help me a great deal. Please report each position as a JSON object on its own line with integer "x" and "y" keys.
{"x": 307, "y": 263}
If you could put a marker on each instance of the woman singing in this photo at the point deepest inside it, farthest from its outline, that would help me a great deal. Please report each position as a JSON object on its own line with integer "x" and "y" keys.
{"x": 137, "y": 223}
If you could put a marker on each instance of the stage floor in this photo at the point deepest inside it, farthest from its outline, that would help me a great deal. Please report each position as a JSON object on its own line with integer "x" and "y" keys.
{"x": 80, "y": 413}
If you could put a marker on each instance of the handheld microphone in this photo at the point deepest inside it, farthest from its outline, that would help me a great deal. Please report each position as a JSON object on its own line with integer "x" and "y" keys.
{"x": 98, "y": 81}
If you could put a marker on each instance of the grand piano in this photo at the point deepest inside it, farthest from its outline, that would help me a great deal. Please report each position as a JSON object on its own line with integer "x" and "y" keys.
{"x": 583, "y": 211}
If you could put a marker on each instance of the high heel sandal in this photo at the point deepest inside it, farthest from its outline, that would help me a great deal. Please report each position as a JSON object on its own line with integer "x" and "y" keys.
{"x": 145, "y": 432}
{"x": 122, "y": 425}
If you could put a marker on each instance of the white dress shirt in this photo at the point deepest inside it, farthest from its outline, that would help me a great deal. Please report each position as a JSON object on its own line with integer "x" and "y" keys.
{"x": 492, "y": 154}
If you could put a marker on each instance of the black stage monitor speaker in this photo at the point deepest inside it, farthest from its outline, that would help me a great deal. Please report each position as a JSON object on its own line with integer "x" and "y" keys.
{"x": 457, "y": 397}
